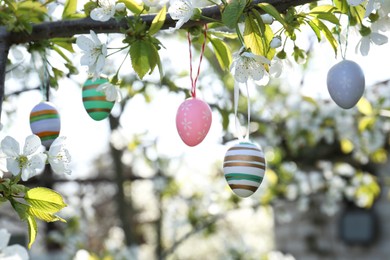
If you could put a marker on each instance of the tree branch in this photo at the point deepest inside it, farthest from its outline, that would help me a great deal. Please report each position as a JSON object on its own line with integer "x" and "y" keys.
{"x": 4, "y": 48}
{"x": 69, "y": 28}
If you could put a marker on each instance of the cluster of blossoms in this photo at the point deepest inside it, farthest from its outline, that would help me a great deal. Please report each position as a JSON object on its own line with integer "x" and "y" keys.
{"x": 32, "y": 159}
{"x": 381, "y": 23}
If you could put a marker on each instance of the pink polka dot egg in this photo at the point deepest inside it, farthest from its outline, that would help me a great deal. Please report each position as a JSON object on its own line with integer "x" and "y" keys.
{"x": 193, "y": 121}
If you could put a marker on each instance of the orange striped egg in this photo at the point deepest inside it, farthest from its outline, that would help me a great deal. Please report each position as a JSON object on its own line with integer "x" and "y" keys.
{"x": 244, "y": 167}
{"x": 45, "y": 122}
{"x": 95, "y": 102}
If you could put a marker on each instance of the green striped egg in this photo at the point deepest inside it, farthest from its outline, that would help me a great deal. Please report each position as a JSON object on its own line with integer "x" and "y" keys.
{"x": 45, "y": 122}
{"x": 95, "y": 102}
{"x": 244, "y": 167}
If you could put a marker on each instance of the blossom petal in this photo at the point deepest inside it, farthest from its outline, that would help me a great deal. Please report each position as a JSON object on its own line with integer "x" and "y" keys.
{"x": 100, "y": 64}
{"x": 16, "y": 252}
{"x": 181, "y": 10}
{"x": 31, "y": 145}
{"x": 13, "y": 166}
{"x": 88, "y": 59}
{"x": 378, "y": 38}
{"x": 35, "y": 166}
{"x": 369, "y": 8}
{"x": 58, "y": 143}
{"x": 365, "y": 46}
{"x": 103, "y": 14}
{"x": 84, "y": 43}
{"x": 4, "y": 238}
{"x": 10, "y": 146}
{"x": 95, "y": 38}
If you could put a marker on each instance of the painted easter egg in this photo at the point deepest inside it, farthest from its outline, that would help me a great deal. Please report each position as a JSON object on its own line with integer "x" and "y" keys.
{"x": 346, "y": 83}
{"x": 244, "y": 167}
{"x": 45, "y": 122}
{"x": 193, "y": 121}
{"x": 95, "y": 102}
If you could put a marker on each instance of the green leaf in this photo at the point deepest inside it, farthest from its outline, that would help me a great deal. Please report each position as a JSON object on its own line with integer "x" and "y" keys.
{"x": 328, "y": 34}
{"x": 66, "y": 43}
{"x": 222, "y": 52}
{"x": 42, "y": 215}
{"x": 45, "y": 199}
{"x": 268, "y": 8}
{"x": 18, "y": 188}
{"x": 20, "y": 208}
{"x": 144, "y": 57}
{"x": 252, "y": 36}
{"x": 70, "y": 8}
{"x": 315, "y": 29}
{"x": 232, "y": 13}
{"x": 322, "y": 9}
{"x": 32, "y": 230}
{"x": 158, "y": 21}
{"x": 32, "y": 11}
{"x": 133, "y": 6}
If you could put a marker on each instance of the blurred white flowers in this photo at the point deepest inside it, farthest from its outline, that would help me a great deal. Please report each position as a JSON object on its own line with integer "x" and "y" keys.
{"x": 154, "y": 3}
{"x": 355, "y": 2}
{"x": 59, "y": 157}
{"x": 111, "y": 91}
{"x": 248, "y": 65}
{"x": 181, "y": 10}
{"x": 94, "y": 53}
{"x": 13, "y": 252}
{"x": 28, "y": 163}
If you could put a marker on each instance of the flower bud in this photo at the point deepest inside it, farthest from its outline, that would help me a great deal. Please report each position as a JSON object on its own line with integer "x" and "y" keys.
{"x": 267, "y": 18}
{"x": 275, "y": 42}
{"x": 120, "y": 7}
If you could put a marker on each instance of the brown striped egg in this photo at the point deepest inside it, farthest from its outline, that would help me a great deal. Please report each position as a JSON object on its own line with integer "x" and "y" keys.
{"x": 244, "y": 168}
{"x": 95, "y": 102}
{"x": 45, "y": 122}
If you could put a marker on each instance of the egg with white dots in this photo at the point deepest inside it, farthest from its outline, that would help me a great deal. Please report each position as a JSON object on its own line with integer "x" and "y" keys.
{"x": 95, "y": 102}
{"x": 346, "y": 83}
{"x": 244, "y": 168}
{"x": 45, "y": 122}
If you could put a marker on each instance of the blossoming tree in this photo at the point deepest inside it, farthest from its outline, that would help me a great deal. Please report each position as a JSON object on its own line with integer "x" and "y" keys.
{"x": 250, "y": 39}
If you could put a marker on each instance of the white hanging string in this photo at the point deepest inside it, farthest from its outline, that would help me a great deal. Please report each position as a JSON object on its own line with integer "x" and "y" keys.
{"x": 237, "y": 121}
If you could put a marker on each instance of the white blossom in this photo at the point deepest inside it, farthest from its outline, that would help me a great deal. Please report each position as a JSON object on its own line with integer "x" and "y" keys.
{"x": 372, "y": 38}
{"x": 111, "y": 91}
{"x": 59, "y": 157}
{"x": 28, "y": 163}
{"x": 105, "y": 11}
{"x": 13, "y": 252}
{"x": 181, "y": 10}
{"x": 248, "y": 65}
{"x": 94, "y": 53}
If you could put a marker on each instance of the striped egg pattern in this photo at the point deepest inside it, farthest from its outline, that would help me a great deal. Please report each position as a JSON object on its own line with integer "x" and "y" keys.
{"x": 45, "y": 122}
{"x": 244, "y": 166}
{"x": 95, "y": 102}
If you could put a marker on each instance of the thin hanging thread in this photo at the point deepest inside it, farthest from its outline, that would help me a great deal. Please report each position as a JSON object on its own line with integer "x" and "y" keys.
{"x": 343, "y": 53}
{"x": 193, "y": 81}
{"x": 237, "y": 121}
